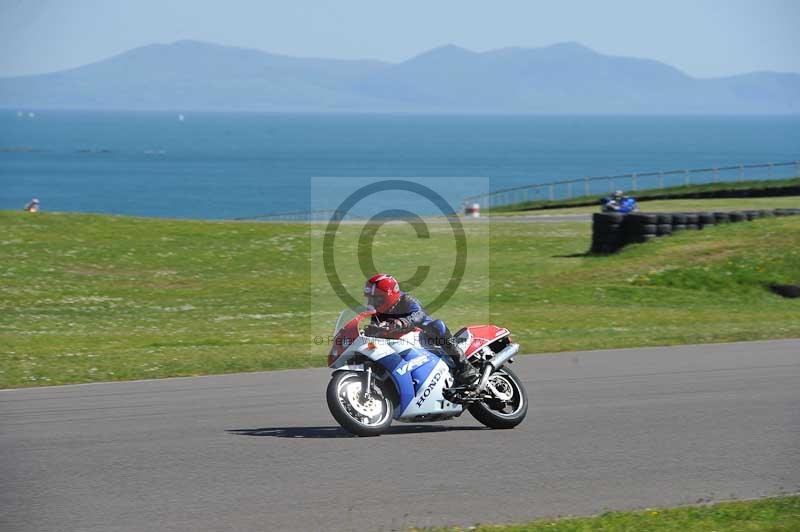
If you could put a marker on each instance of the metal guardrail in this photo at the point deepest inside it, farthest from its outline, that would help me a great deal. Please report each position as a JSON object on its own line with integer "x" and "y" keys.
{"x": 586, "y": 186}
{"x": 591, "y": 186}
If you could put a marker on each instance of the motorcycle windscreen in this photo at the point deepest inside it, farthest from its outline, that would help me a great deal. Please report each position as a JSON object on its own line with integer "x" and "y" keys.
{"x": 346, "y": 331}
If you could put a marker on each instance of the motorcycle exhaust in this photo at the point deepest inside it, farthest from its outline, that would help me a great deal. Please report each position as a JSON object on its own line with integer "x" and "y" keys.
{"x": 495, "y": 363}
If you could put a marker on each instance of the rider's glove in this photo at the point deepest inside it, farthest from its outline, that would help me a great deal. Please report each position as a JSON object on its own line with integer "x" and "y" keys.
{"x": 397, "y": 324}
{"x": 385, "y": 327}
{"x": 374, "y": 330}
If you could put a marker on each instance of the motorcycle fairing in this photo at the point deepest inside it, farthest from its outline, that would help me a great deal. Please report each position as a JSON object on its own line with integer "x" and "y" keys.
{"x": 409, "y": 370}
{"x": 428, "y": 401}
{"x": 473, "y": 339}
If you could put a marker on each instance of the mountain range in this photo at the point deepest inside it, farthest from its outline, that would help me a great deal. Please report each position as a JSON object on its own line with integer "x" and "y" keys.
{"x": 565, "y": 78}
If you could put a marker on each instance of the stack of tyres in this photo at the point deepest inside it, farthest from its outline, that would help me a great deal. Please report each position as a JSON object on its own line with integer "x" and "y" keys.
{"x": 705, "y": 219}
{"x": 607, "y": 236}
{"x": 737, "y": 216}
{"x": 612, "y": 231}
{"x": 664, "y": 224}
{"x": 678, "y": 222}
{"x": 640, "y": 227}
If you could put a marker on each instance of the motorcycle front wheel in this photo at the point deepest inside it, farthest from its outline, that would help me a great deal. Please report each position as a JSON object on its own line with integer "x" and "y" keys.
{"x": 509, "y": 408}
{"x": 357, "y": 415}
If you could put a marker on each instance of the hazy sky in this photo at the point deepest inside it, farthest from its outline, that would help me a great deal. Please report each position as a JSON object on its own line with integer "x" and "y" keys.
{"x": 702, "y": 37}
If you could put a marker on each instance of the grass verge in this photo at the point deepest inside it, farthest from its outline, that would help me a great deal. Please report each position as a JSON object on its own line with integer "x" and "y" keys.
{"x": 779, "y": 514}
{"x": 87, "y": 298}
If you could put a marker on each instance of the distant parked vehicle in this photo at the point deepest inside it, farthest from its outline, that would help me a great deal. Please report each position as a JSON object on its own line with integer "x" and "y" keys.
{"x": 620, "y": 203}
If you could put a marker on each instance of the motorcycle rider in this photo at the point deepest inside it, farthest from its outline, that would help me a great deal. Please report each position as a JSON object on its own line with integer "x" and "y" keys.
{"x": 613, "y": 202}
{"x": 399, "y": 312}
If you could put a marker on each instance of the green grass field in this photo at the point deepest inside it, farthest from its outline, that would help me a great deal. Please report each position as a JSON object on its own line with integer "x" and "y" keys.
{"x": 780, "y": 514}
{"x": 88, "y": 298}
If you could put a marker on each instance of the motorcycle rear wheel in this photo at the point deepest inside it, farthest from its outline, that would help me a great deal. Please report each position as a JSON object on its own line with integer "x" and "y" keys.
{"x": 503, "y": 414}
{"x": 356, "y": 416}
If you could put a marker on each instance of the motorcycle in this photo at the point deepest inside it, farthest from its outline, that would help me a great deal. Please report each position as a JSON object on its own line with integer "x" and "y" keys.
{"x": 379, "y": 379}
{"x": 624, "y": 206}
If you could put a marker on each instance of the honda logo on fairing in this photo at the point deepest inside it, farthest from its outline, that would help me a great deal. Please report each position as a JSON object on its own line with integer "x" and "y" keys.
{"x": 429, "y": 388}
{"x": 412, "y": 364}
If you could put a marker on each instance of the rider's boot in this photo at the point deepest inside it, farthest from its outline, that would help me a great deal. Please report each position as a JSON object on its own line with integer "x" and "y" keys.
{"x": 465, "y": 373}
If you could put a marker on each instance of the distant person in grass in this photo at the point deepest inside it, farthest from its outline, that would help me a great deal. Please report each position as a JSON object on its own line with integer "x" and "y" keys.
{"x": 33, "y": 206}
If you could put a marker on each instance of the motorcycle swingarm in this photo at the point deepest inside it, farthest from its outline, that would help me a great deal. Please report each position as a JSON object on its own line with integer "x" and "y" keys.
{"x": 461, "y": 396}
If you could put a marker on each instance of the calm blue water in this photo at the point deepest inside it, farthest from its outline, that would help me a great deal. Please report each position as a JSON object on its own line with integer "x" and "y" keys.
{"x": 235, "y": 165}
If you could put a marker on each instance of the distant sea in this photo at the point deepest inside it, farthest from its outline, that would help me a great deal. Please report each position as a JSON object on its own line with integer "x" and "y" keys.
{"x": 213, "y": 165}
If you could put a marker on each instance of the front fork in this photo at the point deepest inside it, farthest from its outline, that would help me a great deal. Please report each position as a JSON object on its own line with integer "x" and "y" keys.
{"x": 366, "y": 389}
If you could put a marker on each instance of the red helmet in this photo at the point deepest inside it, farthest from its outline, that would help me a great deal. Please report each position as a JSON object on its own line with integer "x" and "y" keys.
{"x": 382, "y": 291}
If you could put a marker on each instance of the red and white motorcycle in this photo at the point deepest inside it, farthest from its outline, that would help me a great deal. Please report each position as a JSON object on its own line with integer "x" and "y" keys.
{"x": 376, "y": 380}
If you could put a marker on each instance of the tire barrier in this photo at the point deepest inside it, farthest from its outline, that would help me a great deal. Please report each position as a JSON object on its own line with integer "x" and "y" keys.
{"x": 705, "y": 219}
{"x": 611, "y": 231}
{"x": 786, "y": 290}
{"x": 607, "y": 232}
{"x": 664, "y": 229}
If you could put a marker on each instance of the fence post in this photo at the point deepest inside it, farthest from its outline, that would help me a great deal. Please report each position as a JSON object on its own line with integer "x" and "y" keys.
{"x": 686, "y": 177}
{"x": 569, "y": 190}
{"x": 661, "y": 180}
{"x": 586, "y": 180}
{"x": 741, "y": 173}
{"x": 797, "y": 168}
{"x": 633, "y": 181}
{"x": 550, "y": 191}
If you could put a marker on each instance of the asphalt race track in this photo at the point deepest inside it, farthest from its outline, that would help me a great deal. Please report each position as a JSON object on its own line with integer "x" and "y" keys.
{"x": 606, "y": 430}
